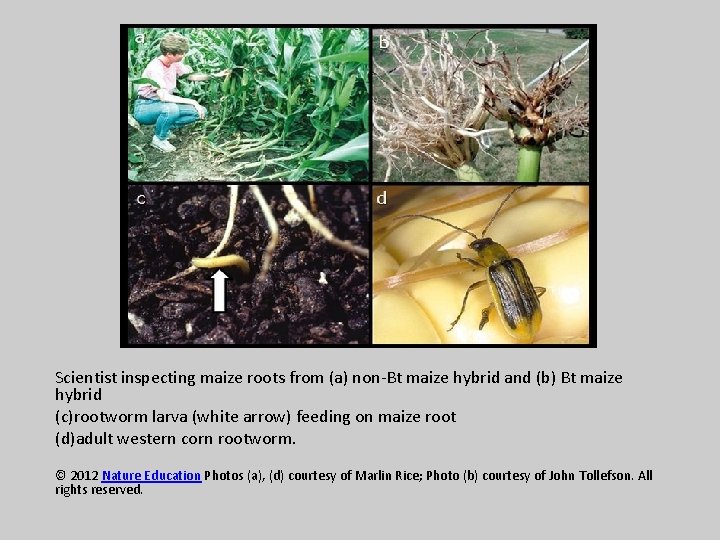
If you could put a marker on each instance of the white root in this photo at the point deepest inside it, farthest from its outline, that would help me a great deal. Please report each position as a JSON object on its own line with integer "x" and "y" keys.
{"x": 230, "y": 222}
{"x": 136, "y": 321}
{"x": 311, "y": 196}
{"x": 223, "y": 241}
{"x": 274, "y": 231}
{"x": 317, "y": 226}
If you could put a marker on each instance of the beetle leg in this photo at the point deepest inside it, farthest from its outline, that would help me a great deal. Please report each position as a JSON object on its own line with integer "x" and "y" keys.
{"x": 462, "y": 309}
{"x": 540, "y": 291}
{"x": 468, "y": 260}
{"x": 485, "y": 315}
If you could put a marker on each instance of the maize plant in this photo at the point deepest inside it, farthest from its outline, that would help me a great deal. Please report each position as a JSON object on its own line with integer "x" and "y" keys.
{"x": 537, "y": 117}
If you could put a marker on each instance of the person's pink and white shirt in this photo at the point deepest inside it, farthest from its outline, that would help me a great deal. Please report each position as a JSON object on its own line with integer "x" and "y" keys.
{"x": 166, "y": 77}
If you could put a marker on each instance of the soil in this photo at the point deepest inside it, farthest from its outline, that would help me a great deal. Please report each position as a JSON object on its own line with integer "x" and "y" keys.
{"x": 292, "y": 305}
{"x": 190, "y": 163}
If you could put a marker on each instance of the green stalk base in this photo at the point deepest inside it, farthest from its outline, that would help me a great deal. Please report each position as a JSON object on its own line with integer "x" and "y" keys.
{"x": 529, "y": 163}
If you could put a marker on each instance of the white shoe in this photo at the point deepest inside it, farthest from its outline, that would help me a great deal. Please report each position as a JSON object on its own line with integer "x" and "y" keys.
{"x": 171, "y": 135}
{"x": 163, "y": 146}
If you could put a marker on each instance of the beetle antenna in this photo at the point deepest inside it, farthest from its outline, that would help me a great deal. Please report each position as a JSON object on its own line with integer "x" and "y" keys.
{"x": 440, "y": 221}
{"x": 498, "y": 210}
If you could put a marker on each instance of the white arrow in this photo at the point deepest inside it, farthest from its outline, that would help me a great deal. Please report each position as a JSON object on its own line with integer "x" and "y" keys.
{"x": 219, "y": 278}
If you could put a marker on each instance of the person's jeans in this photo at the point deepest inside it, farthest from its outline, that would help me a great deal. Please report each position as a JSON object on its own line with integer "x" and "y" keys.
{"x": 166, "y": 116}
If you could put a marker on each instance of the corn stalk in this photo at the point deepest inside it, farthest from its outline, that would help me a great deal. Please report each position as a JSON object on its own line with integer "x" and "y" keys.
{"x": 537, "y": 117}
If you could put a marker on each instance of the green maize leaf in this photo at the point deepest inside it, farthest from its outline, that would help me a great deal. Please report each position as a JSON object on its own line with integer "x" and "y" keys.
{"x": 360, "y": 116}
{"x": 297, "y": 174}
{"x": 357, "y": 149}
{"x": 269, "y": 62}
{"x": 273, "y": 87}
{"x": 344, "y": 98}
{"x": 366, "y": 115}
{"x": 314, "y": 50}
{"x": 323, "y": 95}
{"x": 133, "y": 174}
{"x": 320, "y": 149}
{"x": 294, "y": 96}
{"x": 301, "y": 171}
{"x": 315, "y": 37}
{"x": 288, "y": 51}
{"x": 290, "y": 122}
{"x": 362, "y": 57}
{"x": 358, "y": 38}
{"x": 319, "y": 166}
{"x": 136, "y": 158}
{"x": 284, "y": 35}
{"x": 221, "y": 51}
{"x": 272, "y": 41}
{"x": 334, "y": 119}
{"x": 300, "y": 63}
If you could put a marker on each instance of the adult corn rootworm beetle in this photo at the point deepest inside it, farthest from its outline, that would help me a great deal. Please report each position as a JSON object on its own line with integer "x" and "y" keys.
{"x": 513, "y": 294}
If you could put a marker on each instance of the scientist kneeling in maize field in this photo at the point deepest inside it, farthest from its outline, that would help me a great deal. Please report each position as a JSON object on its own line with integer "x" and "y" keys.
{"x": 160, "y": 106}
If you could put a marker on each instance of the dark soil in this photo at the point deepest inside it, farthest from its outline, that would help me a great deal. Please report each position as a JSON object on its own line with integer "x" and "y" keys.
{"x": 291, "y": 306}
{"x": 190, "y": 163}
